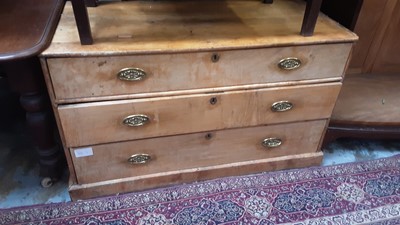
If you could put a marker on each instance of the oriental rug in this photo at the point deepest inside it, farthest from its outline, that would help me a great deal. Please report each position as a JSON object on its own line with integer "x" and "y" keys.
{"x": 355, "y": 193}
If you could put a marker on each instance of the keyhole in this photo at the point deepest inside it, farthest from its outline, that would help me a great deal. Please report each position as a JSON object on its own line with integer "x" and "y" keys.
{"x": 214, "y": 57}
{"x": 213, "y": 100}
{"x": 208, "y": 136}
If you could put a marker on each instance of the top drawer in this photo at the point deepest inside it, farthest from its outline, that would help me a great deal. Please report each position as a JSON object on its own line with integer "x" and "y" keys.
{"x": 76, "y": 79}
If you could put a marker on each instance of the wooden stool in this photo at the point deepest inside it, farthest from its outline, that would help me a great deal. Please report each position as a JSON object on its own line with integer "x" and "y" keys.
{"x": 85, "y": 33}
{"x": 26, "y": 29}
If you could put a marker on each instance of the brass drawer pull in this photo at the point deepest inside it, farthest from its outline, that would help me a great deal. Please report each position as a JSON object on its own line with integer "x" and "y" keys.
{"x": 139, "y": 159}
{"x": 272, "y": 142}
{"x": 281, "y": 106}
{"x": 131, "y": 74}
{"x": 289, "y": 63}
{"x": 136, "y": 120}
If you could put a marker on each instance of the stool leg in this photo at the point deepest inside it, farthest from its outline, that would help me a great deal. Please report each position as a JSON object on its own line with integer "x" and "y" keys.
{"x": 310, "y": 17}
{"x": 82, "y": 21}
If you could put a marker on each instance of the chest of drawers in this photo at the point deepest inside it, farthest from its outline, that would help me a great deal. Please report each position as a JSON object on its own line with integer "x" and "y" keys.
{"x": 182, "y": 92}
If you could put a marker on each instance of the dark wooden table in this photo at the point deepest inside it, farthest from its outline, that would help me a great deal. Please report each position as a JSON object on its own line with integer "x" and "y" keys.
{"x": 26, "y": 29}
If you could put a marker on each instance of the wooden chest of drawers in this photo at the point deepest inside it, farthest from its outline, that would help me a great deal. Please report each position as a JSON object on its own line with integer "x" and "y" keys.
{"x": 181, "y": 92}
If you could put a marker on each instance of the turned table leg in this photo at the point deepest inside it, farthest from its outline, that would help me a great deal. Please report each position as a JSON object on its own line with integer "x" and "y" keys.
{"x": 25, "y": 77}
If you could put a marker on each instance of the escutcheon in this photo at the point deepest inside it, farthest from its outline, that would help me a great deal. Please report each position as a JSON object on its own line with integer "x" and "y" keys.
{"x": 271, "y": 142}
{"x": 289, "y": 63}
{"x": 139, "y": 159}
{"x": 136, "y": 120}
{"x": 281, "y": 106}
{"x": 131, "y": 74}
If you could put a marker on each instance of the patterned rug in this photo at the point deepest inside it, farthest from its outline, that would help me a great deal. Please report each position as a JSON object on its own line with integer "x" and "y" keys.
{"x": 357, "y": 193}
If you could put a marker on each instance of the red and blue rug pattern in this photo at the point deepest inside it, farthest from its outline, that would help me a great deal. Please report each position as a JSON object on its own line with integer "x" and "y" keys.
{"x": 355, "y": 193}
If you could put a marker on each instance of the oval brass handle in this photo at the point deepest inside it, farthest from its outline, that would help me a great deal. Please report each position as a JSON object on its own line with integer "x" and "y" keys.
{"x": 271, "y": 142}
{"x": 136, "y": 120}
{"x": 131, "y": 74}
{"x": 139, "y": 159}
{"x": 289, "y": 63}
{"x": 281, "y": 106}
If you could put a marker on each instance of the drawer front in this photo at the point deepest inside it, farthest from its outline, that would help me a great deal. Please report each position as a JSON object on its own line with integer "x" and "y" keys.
{"x": 91, "y": 77}
{"x": 166, "y": 154}
{"x": 104, "y": 122}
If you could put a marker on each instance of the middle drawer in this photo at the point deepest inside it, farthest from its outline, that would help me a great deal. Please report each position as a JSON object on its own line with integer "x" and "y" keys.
{"x": 104, "y": 122}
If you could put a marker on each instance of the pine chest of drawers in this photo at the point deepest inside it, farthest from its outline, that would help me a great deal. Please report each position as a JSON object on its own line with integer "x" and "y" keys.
{"x": 180, "y": 92}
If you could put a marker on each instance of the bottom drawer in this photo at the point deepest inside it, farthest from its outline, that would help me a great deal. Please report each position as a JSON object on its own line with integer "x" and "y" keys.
{"x": 199, "y": 150}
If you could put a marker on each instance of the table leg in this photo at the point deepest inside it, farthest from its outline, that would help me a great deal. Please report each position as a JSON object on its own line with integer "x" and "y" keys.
{"x": 25, "y": 77}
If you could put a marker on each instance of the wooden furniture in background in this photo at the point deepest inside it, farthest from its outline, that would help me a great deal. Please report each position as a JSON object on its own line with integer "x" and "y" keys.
{"x": 345, "y": 12}
{"x": 368, "y": 106}
{"x": 26, "y": 29}
{"x": 175, "y": 92}
{"x": 378, "y": 49}
{"x": 85, "y": 33}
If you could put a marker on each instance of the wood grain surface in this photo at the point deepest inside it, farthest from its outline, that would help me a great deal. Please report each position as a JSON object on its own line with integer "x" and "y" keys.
{"x": 369, "y": 99}
{"x": 207, "y": 118}
{"x": 95, "y": 123}
{"x": 196, "y": 150}
{"x": 74, "y": 79}
{"x": 84, "y": 191}
{"x": 366, "y": 28}
{"x": 387, "y": 58}
{"x": 133, "y": 27}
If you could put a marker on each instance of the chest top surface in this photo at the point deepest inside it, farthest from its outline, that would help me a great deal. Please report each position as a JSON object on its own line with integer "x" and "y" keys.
{"x": 147, "y": 27}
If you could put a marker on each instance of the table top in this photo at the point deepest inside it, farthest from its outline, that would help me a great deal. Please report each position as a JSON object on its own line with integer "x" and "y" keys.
{"x": 137, "y": 27}
{"x": 368, "y": 99}
{"x": 27, "y": 26}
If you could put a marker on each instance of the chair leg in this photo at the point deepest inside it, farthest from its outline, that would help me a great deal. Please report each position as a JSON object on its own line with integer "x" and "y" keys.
{"x": 82, "y": 22}
{"x": 310, "y": 17}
